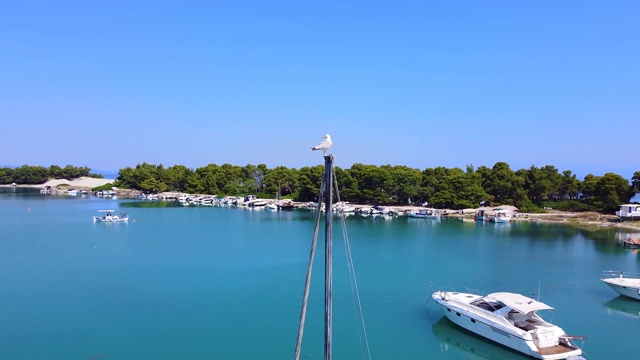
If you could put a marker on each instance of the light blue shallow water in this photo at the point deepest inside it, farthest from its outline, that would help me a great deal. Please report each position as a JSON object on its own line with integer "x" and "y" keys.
{"x": 226, "y": 283}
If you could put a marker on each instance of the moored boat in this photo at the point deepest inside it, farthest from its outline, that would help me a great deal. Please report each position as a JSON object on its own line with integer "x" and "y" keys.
{"x": 271, "y": 206}
{"x": 287, "y": 205}
{"x": 624, "y": 284}
{"x": 481, "y": 215}
{"x": 511, "y": 320}
{"x": 501, "y": 216}
{"x": 428, "y": 213}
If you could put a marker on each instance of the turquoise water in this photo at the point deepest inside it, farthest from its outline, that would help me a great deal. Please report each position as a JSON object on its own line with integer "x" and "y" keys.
{"x": 226, "y": 283}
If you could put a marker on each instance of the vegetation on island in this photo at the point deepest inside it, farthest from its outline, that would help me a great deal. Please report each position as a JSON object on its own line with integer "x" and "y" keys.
{"x": 531, "y": 190}
{"x": 33, "y": 175}
{"x": 528, "y": 189}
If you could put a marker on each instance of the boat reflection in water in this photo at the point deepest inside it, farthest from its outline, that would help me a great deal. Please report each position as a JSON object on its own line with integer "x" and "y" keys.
{"x": 455, "y": 340}
{"x": 623, "y": 306}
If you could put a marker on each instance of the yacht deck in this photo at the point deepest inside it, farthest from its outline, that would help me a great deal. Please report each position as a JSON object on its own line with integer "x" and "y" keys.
{"x": 556, "y": 349}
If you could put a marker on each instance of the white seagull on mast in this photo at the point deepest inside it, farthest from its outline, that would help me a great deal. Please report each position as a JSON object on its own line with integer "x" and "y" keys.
{"x": 324, "y": 145}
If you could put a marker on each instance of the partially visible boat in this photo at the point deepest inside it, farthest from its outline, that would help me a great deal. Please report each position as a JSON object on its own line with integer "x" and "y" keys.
{"x": 287, "y": 205}
{"x": 110, "y": 217}
{"x": 72, "y": 192}
{"x": 257, "y": 203}
{"x": 631, "y": 242}
{"x": 481, "y": 215}
{"x": 343, "y": 207}
{"x": 511, "y": 320}
{"x": 629, "y": 212}
{"x": 625, "y": 284}
{"x": 428, "y": 213}
{"x": 207, "y": 201}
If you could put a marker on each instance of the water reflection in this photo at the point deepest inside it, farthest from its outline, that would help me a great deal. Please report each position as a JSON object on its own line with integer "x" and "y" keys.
{"x": 454, "y": 339}
{"x": 423, "y": 222}
{"x": 623, "y": 306}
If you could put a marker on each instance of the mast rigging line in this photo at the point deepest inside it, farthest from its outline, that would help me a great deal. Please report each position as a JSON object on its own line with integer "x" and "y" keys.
{"x": 326, "y": 192}
{"x": 355, "y": 292}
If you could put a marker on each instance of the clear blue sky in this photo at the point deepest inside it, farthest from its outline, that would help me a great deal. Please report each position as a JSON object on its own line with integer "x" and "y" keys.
{"x": 110, "y": 84}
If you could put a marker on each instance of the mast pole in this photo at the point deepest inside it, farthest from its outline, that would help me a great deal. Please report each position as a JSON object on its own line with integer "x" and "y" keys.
{"x": 328, "y": 253}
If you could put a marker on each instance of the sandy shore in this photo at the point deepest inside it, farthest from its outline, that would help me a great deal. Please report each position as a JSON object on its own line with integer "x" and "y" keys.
{"x": 80, "y": 183}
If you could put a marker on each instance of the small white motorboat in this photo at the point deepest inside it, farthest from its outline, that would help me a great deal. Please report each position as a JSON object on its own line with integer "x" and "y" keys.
{"x": 511, "y": 320}
{"x": 624, "y": 284}
{"x": 271, "y": 206}
{"x": 110, "y": 217}
{"x": 428, "y": 213}
{"x": 501, "y": 216}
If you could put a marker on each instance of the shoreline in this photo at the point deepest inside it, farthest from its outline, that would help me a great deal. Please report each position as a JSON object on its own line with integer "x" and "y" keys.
{"x": 589, "y": 220}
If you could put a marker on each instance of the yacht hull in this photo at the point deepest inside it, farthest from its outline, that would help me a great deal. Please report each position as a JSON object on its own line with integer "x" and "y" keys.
{"x": 625, "y": 287}
{"x": 477, "y": 326}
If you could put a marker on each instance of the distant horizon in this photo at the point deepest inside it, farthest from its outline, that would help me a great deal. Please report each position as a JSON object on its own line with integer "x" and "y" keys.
{"x": 115, "y": 172}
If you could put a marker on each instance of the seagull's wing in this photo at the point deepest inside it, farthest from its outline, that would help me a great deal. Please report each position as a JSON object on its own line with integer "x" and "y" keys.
{"x": 324, "y": 145}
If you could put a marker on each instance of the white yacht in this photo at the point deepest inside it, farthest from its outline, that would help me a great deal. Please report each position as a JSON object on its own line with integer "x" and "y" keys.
{"x": 511, "y": 320}
{"x": 624, "y": 284}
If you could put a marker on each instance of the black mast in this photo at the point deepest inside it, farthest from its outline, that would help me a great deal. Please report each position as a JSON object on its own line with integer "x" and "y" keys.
{"x": 328, "y": 253}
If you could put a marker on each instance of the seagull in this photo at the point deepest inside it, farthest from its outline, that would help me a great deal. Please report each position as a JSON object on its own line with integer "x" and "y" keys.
{"x": 324, "y": 145}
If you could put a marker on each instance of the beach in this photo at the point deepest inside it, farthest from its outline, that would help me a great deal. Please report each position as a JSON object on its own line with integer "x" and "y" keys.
{"x": 79, "y": 183}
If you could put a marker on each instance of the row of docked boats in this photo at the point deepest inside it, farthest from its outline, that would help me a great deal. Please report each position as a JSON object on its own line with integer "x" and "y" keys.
{"x": 69, "y": 192}
{"x": 248, "y": 201}
{"x": 513, "y": 320}
{"x": 73, "y": 192}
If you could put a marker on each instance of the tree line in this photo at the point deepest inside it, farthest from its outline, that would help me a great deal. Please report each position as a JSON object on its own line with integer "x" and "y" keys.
{"x": 528, "y": 189}
{"x": 33, "y": 175}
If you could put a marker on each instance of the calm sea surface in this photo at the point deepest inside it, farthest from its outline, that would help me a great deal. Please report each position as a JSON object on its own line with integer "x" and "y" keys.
{"x": 227, "y": 283}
